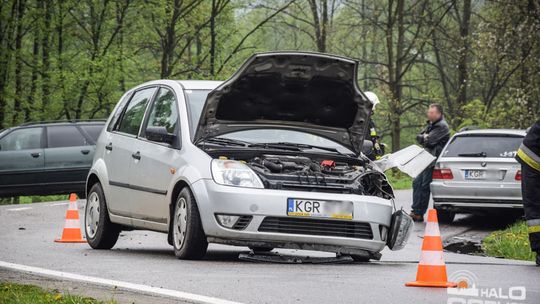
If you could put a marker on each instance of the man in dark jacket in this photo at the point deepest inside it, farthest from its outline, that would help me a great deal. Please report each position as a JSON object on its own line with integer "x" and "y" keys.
{"x": 433, "y": 138}
{"x": 529, "y": 157}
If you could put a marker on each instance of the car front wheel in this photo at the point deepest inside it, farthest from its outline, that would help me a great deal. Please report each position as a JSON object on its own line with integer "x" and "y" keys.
{"x": 100, "y": 232}
{"x": 189, "y": 240}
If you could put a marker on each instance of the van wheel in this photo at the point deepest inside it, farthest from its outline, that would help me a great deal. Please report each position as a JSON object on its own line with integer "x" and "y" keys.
{"x": 189, "y": 240}
{"x": 98, "y": 229}
{"x": 445, "y": 216}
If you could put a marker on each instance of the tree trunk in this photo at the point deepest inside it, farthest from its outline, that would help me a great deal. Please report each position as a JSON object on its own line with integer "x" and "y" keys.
{"x": 32, "y": 96}
{"x": 213, "y": 35}
{"x": 18, "y": 63}
{"x": 45, "y": 6}
{"x": 463, "y": 57}
{"x": 7, "y": 32}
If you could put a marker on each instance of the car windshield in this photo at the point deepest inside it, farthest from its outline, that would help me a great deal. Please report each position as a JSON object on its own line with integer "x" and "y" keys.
{"x": 197, "y": 98}
{"x": 483, "y": 146}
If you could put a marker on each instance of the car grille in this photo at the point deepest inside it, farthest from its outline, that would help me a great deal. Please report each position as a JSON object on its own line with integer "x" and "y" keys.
{"x": 242, "y": 222}
{"x": 319, "y": 227}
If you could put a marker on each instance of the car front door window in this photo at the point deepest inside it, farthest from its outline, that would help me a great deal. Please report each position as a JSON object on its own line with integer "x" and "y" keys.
{"x": 134, "y": 113}
{"x": 164, "y": 112}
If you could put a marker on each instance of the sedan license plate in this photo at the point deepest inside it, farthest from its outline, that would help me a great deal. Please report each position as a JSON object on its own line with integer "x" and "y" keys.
{"x": 475, "y": 174}
{"x": 320, "y": 208}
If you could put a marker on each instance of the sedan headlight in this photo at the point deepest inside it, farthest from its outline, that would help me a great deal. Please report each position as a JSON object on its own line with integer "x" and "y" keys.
{"x": 234, "y": 173}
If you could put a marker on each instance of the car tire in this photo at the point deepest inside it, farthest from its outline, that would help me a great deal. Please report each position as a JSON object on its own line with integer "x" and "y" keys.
{"x": 445, "y": 216}
{"x": 189, "y": 240}
{"x": 261, "y": 249}
{"x": 100, "y": 232}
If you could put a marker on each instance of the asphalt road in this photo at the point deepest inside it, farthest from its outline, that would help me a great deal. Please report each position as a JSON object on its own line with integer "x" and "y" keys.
{"x": 140, "y": 257}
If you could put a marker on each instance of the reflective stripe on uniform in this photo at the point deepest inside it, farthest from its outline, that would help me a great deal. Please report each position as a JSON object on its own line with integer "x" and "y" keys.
{"x": 534, "y": 225}
{"x": 373, "y": 132}
{"x": 534, "y": 229}
{"x": 528, "y": 156}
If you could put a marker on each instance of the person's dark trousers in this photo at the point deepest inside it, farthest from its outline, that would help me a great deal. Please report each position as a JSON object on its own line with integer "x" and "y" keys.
{"x": 530, "y": 188}
{"x": 421, "y": 191}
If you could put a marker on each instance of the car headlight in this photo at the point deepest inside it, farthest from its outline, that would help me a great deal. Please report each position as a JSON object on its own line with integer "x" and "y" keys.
{"x": 234, "y": 173}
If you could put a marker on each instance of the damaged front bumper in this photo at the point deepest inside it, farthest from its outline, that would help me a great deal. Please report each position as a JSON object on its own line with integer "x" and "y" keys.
{"x": 265, "y": 221}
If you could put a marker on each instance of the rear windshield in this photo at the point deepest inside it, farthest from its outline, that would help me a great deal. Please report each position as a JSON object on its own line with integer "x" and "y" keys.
{"x": 483, "y": 146}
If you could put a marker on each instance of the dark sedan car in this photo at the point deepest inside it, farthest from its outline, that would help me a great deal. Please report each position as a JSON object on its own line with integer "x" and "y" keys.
{"x": 47, "y": 158}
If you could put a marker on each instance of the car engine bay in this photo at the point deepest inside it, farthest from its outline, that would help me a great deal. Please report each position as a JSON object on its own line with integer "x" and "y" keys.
{"x": 315, "y": 174}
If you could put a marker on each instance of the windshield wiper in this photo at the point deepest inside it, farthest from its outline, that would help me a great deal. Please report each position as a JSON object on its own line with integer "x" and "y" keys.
{"x": 477, "y": 154}
{"x": 227, "y": 141}
{"x": 282, "y": 145}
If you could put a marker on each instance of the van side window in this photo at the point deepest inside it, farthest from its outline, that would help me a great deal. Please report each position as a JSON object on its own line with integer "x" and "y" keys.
{"x": 164, "y": 112}
{"x": 65, "y": 136}
{"x": 133, "y": 115}
{"x": 22, "y": 139}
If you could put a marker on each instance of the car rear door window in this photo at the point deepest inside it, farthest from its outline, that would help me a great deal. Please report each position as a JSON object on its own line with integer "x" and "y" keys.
{"x": 134, "y": 113}
{"x": 93, "y": 131}
{"x": 164, "y": 112}
{"x": 65, "y": 136}
{"x": 22, "y": 139}
{"x": 483, "y": 146}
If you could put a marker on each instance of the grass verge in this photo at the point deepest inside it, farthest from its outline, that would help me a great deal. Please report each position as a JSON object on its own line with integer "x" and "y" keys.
{"x": 399, "y": 180}
{"x": 32, "y": 199}
{"x": 510, "y": 243}
{"x": 21, "y": 294}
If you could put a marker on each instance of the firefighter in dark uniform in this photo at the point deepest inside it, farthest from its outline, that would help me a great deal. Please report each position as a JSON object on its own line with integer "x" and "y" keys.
{"x": 378, "y": 147}
{"x": 529, "y": 157}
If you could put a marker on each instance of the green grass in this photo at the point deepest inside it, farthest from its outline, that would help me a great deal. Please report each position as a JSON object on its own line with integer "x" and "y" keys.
{"x": 32, "y": 199}
{"x": 21, "y": 294}
{"x": 511, "y": 243}
{"x": 399, "y": 180}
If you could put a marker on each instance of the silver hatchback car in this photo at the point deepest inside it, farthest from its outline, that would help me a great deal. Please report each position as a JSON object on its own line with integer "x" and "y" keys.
{"x": 477, "y": 172}
{"x": 269, "y": 159}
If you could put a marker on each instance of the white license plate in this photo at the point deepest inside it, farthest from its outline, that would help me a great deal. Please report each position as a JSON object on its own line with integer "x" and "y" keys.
{"x": 475, "y": 174}
{"x": 320, "y": 208}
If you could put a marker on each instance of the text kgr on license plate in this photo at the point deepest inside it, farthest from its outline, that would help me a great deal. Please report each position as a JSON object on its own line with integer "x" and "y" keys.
{"x": 320, "y": 208}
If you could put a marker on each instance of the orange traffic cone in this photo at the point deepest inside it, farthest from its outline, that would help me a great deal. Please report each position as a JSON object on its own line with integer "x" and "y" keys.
{"x": 431, "y": 268}
{"x": 72, "y": 227}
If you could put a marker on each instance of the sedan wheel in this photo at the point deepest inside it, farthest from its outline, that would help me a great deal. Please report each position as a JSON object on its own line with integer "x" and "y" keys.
{"x": 100, "y": 232}
{"x": 92, "y": 215}
{"x": 188, "y": 238}
{"x": 180, "y": 220}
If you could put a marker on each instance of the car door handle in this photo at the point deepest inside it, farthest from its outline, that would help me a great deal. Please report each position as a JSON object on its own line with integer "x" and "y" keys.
{"x": 108, "y": 147}
{"x": 85, "y": 152}
{"x": 35, "y": 154}
{"x": 137, "y": 155}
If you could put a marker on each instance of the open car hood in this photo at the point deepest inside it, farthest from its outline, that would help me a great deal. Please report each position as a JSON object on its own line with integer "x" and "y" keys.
{"x": 308, "y": 92}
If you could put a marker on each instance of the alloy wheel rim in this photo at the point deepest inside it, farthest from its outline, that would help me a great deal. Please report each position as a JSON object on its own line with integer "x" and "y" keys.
{"x": 92, "y": 215}
{"x": 180, "y": 223}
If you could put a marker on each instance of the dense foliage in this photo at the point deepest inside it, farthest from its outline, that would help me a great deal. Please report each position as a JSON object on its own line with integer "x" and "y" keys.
{"x": 73, "y": 59}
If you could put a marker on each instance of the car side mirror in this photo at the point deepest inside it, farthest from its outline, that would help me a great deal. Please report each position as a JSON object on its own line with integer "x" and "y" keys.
{"x": 367, "y": 147}
{"x": 159, "y": 134}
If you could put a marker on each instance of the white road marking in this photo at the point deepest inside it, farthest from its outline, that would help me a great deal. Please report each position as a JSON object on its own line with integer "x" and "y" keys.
{"x": 190, "y": 297}
{"x": 19, "y": 209}
{"x": 58, "y": 204}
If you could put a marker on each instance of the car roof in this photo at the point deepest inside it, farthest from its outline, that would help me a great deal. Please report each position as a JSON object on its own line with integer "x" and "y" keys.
{"x": 199, "y": 84}
{"x": 493, "y": 132}
{"x": 63, "y": 122}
